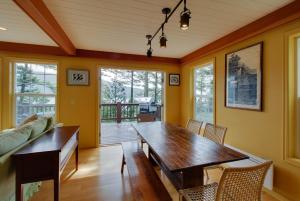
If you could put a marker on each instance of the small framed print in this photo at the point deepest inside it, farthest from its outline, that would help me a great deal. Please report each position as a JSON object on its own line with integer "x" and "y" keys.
{"x": 76, "y": 77}
{"x": 174, "y": 79}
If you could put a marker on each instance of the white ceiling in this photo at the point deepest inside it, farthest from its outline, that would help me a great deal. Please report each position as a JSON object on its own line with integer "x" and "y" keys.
{"x": 20, "y": 28}
{"x": 121, "y": 25}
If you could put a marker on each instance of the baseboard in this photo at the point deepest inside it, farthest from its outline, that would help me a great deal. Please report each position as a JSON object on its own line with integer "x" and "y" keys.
{"x": 275, "y": 195}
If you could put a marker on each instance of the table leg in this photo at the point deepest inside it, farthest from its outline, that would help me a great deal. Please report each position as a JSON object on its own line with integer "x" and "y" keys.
{"x": 56, "y": 188}
{"x": 192, "y": 177}
{"x": 19, "y": 190}
{"x": 151, "y": 157}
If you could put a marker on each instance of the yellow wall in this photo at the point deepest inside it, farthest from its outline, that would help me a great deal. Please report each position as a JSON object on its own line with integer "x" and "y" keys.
{"x": 260, "y": 133}
{"x": 79, "y": 105}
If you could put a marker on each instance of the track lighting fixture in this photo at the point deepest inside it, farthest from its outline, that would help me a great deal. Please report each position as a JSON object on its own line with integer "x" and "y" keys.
{"x": 163, "y": 39}
{"x": 185, "y": 16}
{"x": 149, "y": 51}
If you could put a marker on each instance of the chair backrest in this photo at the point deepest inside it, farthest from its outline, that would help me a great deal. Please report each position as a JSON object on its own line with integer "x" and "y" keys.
{"x": 215, "y": 133}
{"x": 242, "y": 184}
{"x": 146, "y": 117}
{"x": 194, "y": 126}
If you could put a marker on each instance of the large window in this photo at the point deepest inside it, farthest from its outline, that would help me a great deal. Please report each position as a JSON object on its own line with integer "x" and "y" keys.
{"x": 35, "y": 89}
{"x": 204, "y": 93}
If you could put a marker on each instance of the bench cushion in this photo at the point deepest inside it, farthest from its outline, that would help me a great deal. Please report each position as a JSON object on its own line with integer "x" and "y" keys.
{"x": 145, "y": 183}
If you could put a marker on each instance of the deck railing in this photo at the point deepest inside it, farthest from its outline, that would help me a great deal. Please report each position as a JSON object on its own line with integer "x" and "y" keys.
{"x": 122, "y": 111}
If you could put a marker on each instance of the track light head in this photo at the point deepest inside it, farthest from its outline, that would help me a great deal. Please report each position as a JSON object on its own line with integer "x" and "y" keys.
{"x": 163, "y": 41}
{"x": 149, "y": 52}
{"x": 185, "y": 17}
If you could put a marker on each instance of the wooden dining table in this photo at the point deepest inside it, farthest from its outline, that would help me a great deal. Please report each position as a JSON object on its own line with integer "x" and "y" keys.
{"x": 181, "y": 154}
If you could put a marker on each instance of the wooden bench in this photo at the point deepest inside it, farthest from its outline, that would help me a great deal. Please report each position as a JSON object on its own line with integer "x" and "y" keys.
{"x": 145, "y": 183}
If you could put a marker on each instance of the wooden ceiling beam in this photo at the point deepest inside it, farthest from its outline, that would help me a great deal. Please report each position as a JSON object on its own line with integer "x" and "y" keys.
{"x": 40, "y": 14}
{"x": 31, "y": 49}
{"x": 279, "y": 17}
{"x": 56, "y": 51}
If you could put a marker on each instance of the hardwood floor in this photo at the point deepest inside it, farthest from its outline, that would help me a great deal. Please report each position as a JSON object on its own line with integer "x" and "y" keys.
{"x": 99, "y": 179}
{"x": 114, "y": 133}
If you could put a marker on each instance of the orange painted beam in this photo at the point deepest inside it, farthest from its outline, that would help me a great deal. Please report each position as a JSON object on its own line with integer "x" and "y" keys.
{"x": 56, "y": 51}
{"x": 123, "y": 56}
{"x": 40, "y": 14}
{"x": 279, "y": 17}
{"x": 31, "y": 49}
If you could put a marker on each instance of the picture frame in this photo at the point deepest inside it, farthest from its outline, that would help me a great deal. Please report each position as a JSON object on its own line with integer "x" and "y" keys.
{"x": 244, "y": 78}
{"x": 78, "y": 77}
{"x": 174, "y": 79}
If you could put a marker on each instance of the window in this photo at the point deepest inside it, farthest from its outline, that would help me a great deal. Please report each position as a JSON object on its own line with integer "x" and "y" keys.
{"x": 35, "y": 89}
{"x": 204, "y": 93}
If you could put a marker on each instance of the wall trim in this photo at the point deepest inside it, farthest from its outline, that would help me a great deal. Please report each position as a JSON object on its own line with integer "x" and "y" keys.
{"x": 56, "y": 51}
{"x": 275, "y": 195}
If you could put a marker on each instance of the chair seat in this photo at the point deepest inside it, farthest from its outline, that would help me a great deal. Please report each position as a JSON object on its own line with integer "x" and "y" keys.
{"x": 206, "y": 193}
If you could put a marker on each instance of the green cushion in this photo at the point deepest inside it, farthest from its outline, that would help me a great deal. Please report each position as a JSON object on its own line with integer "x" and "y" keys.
{"x": 11, "y": 139}
{"x": 38, "y": 126}
{"x": 49, "y": 124}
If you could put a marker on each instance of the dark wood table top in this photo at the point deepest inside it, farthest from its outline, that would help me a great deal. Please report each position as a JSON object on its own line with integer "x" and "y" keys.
{"x": 180, "y": 149}
{"x": 52, "y": 141}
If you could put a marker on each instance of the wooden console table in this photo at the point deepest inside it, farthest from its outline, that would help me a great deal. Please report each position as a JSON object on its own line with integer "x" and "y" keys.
{"x": 46, "y": 158}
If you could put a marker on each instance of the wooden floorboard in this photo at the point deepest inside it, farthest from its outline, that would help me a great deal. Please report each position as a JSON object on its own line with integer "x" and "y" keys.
{"x": 113, "y": 133}
{"x": 99, "y": 179}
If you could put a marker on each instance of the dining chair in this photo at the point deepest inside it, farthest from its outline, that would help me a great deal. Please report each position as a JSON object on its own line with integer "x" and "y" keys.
{"x": 194, "y": 126}
{"x": 146, "y": 117}
{"x": 236, "y": 184}
{"x": 216, "y": 134}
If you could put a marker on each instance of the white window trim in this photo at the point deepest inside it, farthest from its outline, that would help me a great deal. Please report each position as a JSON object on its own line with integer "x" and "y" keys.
{"x": 15, "y": 95}
{"x": 211, "y": 62}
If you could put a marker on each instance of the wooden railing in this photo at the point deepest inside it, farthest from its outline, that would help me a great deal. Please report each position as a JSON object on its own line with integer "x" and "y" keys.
{"x": 122, "y": 111}
{"x": 24, "y": 110}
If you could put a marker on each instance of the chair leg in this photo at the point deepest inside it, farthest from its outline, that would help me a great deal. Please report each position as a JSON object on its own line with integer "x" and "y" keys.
{"x": 123, "y": 163}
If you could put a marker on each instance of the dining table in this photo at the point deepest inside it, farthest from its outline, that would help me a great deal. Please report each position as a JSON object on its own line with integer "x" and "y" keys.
{"x": 181, "y": 154}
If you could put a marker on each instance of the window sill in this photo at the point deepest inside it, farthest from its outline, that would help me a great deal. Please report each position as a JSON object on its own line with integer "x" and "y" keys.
{"x": 293, "y": 161}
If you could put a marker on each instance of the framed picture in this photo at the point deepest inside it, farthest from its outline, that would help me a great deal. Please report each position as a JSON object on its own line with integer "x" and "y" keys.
{"x": 174, "y": 79}
{"x": 243, "y": 81}
{"x": 78, "y": 77}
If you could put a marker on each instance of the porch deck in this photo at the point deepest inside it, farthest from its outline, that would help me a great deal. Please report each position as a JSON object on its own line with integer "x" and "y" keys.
{"x": 115, "y": 133}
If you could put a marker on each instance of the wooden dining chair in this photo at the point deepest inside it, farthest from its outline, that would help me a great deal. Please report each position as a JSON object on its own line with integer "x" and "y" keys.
{"x": 236, "y": 184}
{"x": 216, "y": 134}
{"x": 194, "y": 126}
{"x": 146, "y": 117}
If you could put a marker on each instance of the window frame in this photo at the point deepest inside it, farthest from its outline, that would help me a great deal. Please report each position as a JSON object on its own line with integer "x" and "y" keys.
{"x": 290, "y": 98}
{"x": 204, "y": 64}
{"x": 13, "y": 87}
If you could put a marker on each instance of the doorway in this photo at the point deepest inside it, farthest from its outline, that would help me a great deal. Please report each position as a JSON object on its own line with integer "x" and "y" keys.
{"x": 125, "y": 95}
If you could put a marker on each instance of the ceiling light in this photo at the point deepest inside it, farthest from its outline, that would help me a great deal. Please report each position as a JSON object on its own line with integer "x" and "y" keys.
{"x": 185, "y": 17}
{"x": 149, "y": 51}
{"x": 3, "y": 29}
{"x": 163, "y": 39}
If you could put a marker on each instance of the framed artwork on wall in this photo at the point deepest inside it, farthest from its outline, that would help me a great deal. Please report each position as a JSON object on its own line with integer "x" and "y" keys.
{"x": 243, "y": 78}
{"x": 77, "y": 77}
{"x": 174, "y": 79}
